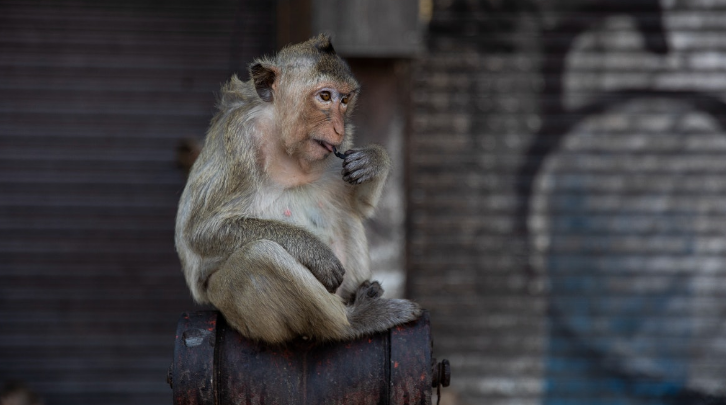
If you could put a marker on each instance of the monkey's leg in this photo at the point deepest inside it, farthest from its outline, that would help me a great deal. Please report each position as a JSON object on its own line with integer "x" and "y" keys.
{"x": 266, "y": 294}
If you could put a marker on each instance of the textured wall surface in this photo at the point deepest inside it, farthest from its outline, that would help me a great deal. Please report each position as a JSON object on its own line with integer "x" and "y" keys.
{"x": 567, "y": 175}
{"x": 94, "y": 98}
{"x": 565, "y": 183}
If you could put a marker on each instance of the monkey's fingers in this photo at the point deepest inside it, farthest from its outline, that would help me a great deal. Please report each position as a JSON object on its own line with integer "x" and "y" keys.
{"x": 358, "y": 176}
{"x": 355, "y": 162}
{"x": 353, "y": 155}
{"x": 351, "y": 165}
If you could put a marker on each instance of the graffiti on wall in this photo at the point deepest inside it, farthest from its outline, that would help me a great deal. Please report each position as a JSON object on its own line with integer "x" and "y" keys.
{"x": 625, "y": 216}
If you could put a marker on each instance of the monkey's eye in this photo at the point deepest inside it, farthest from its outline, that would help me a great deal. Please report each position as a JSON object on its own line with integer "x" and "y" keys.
{"x": 324, "y": 95}
{"x": 344, "y": 100}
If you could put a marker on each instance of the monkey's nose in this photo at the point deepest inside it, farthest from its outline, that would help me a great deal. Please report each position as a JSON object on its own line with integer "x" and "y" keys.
{"x": 338, "y": 127}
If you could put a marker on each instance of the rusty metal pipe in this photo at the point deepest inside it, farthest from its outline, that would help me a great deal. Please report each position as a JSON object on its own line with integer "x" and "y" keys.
{"x": 215, "y": 365}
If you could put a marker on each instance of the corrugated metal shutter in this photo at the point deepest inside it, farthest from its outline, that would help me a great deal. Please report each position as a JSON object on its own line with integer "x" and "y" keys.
{"x": 566, "y": 203}
{"x": 371, "y": 28}
{"x": 94, "y": 97}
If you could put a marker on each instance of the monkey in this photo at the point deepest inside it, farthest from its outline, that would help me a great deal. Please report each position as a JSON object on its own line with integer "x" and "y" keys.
{"x": 269, "y": 228}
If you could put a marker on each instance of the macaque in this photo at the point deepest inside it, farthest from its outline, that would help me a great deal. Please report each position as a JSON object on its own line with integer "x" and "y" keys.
{"x": 269, "y": 228}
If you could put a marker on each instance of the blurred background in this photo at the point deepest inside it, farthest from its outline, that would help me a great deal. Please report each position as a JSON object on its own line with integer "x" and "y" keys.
{"x": 557, "y": 202}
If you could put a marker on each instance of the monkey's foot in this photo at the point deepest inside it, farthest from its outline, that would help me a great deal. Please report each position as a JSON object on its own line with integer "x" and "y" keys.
{"x": 368, "y": 290}
{"x": 403, "y": 311}
{"x": 377, "y": 315}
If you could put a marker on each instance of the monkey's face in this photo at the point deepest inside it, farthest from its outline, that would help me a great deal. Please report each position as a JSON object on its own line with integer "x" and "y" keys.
{"x": 324, "y": 117}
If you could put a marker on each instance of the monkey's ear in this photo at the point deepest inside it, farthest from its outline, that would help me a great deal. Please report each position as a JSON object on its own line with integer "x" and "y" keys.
{"x": 263, "y": 77}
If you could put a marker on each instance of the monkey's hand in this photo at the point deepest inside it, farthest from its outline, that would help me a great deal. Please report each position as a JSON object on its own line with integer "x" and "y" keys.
{"x": 302, "y": 245}
{"x": 363, "y": 165}
{"x": 320, "y": 260}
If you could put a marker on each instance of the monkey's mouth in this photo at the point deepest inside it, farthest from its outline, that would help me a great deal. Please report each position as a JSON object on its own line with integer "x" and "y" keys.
{"x": 325, "y": 145}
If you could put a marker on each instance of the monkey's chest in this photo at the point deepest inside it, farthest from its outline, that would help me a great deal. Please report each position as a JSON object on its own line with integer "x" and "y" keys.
{"x": 319, "y": 217}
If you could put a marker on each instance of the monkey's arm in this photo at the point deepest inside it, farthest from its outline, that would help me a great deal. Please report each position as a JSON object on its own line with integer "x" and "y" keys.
{"x": 366, "y": 169}
{"x": 211, "y": 237}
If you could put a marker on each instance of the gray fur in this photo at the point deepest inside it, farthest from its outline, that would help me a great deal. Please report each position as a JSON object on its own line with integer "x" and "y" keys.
{"x": 285, "y": 260}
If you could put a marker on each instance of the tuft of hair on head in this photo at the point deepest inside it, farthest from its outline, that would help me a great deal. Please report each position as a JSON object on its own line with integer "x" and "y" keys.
{"x": 322, "y": 43}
